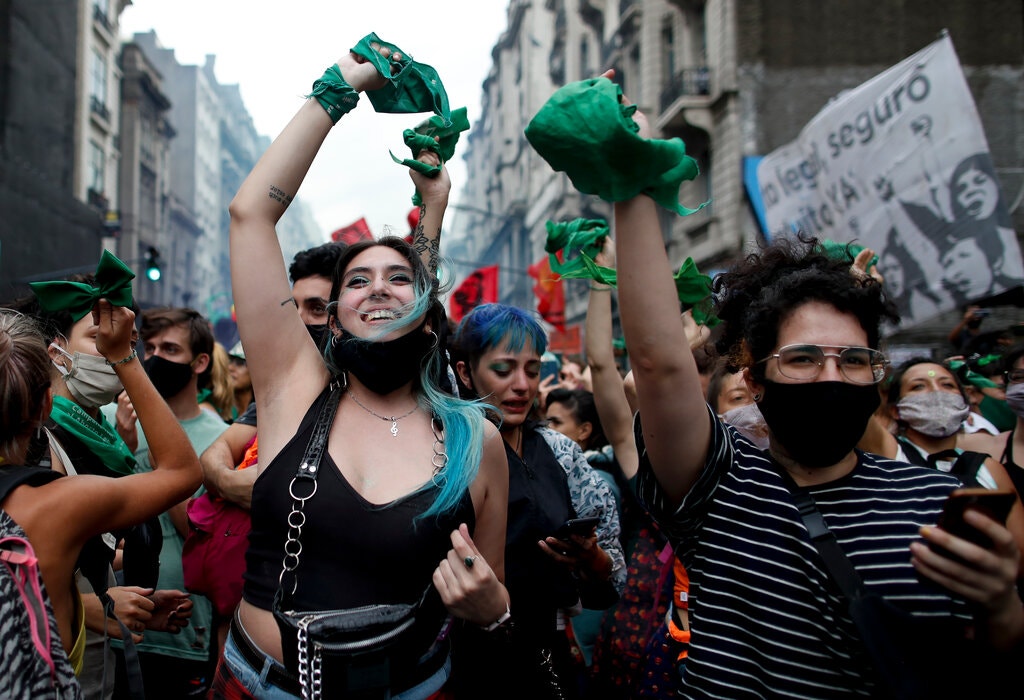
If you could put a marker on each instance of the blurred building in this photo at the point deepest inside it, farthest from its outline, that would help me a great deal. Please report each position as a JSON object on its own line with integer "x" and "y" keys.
{"x": 733, "y": 79}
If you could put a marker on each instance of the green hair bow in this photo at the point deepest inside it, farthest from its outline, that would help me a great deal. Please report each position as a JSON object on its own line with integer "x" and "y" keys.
{"x": 113, "y": 283}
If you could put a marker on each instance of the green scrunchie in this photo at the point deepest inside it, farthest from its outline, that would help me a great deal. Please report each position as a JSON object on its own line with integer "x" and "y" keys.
{"x": 113, "y": 283}
{"x": 337, "y": 97}
{"x": 412, "y": 87}
{"x": 422, "y": 137}
{"x": 586, "y": 132}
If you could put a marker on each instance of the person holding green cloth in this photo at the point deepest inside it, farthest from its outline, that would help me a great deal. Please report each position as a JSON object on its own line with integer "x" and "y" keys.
{"x": 77, "y": 439}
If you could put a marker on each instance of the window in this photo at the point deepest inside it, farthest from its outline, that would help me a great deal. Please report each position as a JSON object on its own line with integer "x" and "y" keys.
{"x": 668, "y": 46}
{"x": 585, "y": 70}
{"x": 98, "y": 77}
{"x": 97, "y": 166}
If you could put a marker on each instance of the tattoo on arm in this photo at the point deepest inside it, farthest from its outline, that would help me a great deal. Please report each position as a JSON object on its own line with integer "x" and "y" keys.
{"x": 280, "y": 195}
{"x": 422, "y": 244}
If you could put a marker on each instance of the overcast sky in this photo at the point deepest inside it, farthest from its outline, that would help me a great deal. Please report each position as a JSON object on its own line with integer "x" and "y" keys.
{"x": 274, "y": 51}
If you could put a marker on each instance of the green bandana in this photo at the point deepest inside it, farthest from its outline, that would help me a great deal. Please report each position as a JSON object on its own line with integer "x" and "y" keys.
{"x": 337, "y": 97}
{"x": 586, "y": 236}
{"x": 969, "y": 376}
{"x": 842, "y": 251}
{"x": 423, "y": 138}
{"x": 113, "y": 283}
{"x": 96, "y": 433}
{"x": 413, "y": 87}
{"x": 586, "y": 132}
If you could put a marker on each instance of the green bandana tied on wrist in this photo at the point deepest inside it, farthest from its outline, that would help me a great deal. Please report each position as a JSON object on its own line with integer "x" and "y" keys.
{"x": 412, "y": 87}
{"x": 113, "y": 283}
{"x": 586, "y": 237}
{"x": 586, "y": 132}
{"x": 337, "y": 97}
{"x": 422, "y": 138}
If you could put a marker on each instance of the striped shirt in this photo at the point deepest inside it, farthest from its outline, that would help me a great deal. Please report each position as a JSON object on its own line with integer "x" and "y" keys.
{"x": 766, "y": 621}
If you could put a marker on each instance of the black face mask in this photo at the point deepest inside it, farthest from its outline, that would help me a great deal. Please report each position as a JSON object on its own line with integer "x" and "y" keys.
{"x": 168, "y": 377}
{"x": 818, "y": 423}
{"x": 318, "y": 333}
{"x": 382, "y": 366}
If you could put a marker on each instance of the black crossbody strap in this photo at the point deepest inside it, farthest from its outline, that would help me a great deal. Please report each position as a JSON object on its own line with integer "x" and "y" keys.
{"x": 839, "y": 566}
{"x": 310, "y": 464}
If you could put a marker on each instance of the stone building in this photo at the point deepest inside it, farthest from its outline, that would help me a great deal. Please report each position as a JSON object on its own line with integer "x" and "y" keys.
{"x": 733, "y": 79}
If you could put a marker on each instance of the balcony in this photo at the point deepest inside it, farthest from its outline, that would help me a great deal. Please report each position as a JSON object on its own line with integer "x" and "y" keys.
{"x": 100, "y": 18}
{"x": 97, "y": 107}
{"x": 687, "y": 82}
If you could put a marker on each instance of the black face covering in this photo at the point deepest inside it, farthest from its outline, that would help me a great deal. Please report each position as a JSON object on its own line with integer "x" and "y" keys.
{"x": 383, "y": 366}
{"x": 818, "y": 423}
{"x": 168, "y": 377}
{"x": 318, "y": 332}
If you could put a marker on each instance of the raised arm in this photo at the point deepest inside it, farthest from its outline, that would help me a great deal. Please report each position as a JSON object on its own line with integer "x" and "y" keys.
{"x": 286, "y": 368}
{"x": 609, "y": 393}
{"x": 676, "y": 427}
{"x": 426, "y": 239}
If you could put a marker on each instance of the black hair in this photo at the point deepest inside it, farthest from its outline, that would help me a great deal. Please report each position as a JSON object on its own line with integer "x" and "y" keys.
{"x": 1010, "y": 357}
{"x": 580, "y": 403}
{"x": 723, "y": 370}
{"x": 200, "y": 336}
{"x": 755, "y": 296}
{"x": 318, "y": 261}
{"x": 896, "y": 378}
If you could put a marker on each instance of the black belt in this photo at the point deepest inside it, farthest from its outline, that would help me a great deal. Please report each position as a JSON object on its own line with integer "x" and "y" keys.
{"x": 428, "y": 665}
{"x": 278, "y": 674}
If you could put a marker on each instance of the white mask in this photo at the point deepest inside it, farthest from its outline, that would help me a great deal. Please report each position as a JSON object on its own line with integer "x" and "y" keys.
{"x": 936, "y": 414}
{"x": 90, "y": 380}
{"x": 1015, "y": 398}
{"x": 749, "y": 422}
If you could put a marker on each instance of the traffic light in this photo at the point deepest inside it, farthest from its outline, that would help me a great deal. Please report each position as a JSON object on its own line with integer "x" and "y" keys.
{"x": 153, "y": 264}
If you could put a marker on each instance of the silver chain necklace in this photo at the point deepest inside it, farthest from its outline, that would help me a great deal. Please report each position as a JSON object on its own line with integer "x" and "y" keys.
{"x": 394, "y": 419}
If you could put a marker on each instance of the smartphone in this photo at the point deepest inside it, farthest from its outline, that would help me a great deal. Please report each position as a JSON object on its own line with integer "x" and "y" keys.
{"x": 549, "y": 366}
{"x": 577, "y": 526}
{"x": 993, "y": 503}
{"x": 982, "y": 313}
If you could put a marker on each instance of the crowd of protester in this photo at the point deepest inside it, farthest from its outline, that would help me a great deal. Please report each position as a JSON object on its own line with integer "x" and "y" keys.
{"x": 426, "y": 517}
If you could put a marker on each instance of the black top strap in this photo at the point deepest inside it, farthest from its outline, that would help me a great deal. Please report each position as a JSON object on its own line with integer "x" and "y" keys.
{"x": 13, "y": 476}
{"x": 310, "y": 464}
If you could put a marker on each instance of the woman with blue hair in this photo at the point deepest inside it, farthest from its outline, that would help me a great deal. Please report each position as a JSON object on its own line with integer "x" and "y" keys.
{"x": 376, "y": 490}
{"x": 549, "y": 575}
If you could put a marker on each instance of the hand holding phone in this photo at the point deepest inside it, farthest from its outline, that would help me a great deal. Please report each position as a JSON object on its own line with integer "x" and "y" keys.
{"x": 996, "y": 504}
{"x": 577, "y": 526}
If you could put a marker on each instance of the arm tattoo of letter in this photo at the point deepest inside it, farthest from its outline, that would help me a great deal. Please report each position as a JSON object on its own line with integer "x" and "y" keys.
{"x": 280, "y": 195}
{"x": 422, "y": 244}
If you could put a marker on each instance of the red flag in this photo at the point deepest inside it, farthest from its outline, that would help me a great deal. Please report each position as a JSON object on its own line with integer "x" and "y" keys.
{"x": 356, "y": 231}
{"x": 413, "y": 217}
{"x": 481, "y": 287}
{"x": 549, "y": 292}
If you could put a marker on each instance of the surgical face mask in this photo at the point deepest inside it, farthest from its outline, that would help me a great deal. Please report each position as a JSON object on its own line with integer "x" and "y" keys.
{"x": 936, "y": 414}
{"x": 749, "y": 422}
{"x": 91, "y": 381}
{"x": 1015, "y": 398}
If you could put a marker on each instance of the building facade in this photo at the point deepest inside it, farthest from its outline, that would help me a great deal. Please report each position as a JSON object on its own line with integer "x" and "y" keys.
{"x": 732, "y": 79}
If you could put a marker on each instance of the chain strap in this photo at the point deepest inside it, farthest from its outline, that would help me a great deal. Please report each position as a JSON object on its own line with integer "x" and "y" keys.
{"x": 440, "y": 457}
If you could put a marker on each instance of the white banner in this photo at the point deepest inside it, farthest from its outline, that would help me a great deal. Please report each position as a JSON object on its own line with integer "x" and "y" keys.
{"x": 900, "y": 164}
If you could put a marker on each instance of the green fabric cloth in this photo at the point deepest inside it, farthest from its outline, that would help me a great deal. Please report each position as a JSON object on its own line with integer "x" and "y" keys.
{"x": 843, "y": 251}
{"x": 336, "y": 96}
{"x": 970, "y": 376}
{"x": 585, "y": 238}
{"x": 998, "y": 412}
{"x": 433, "y": 135}
{"x": 95, "y": 433}
{"x": 586, "y": 132}
{"x": 113, "y": 283}
{"x": 412, "y": 87}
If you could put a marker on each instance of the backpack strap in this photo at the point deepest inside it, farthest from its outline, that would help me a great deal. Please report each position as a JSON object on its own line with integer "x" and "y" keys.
{"x": 17, "y": 555}
{"x": 967, "y": 466}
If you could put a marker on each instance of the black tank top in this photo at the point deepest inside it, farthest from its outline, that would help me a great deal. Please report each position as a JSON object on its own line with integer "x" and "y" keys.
{"x": 1015, "y": 471}
{"x": 353, "y": 552}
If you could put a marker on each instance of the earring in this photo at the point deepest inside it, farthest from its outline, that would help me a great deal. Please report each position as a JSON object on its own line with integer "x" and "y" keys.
{"x": 436, "y": 340}
{"x": 757, "y": 397}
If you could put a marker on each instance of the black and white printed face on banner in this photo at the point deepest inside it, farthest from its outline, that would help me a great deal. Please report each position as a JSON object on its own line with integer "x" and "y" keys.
{"x": 900, "y": 164}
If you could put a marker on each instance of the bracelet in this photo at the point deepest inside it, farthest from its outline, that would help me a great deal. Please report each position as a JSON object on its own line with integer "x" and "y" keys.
{"x": 505, "y": 617}
{"x": 595, "y": 288}
{"x": 135, "y": 353}
{"x": 335, "y": 95}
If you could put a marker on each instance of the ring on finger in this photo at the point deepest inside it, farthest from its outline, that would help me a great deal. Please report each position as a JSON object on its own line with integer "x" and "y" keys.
{"x": 468, "y": 561}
